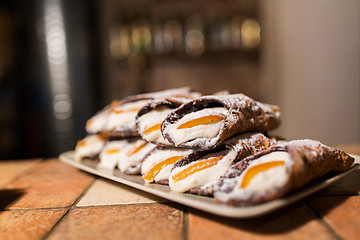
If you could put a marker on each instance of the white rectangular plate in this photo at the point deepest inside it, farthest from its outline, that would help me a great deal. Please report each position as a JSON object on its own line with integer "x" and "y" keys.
{"x": 206, "y": 204}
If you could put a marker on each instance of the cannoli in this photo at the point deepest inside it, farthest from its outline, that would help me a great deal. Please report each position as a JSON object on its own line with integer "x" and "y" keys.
{"x": 207, "y": 121}
{"x": 131, "y": 155}
{"x": 121, "y": 121}
{"x": 110, "y": 154}
{"x": 198, "y": 172}
{"x": 158, "y": 163}
{"x": 150, "y": 117}
{"x": 117, "y": 120}
{"x": 89, "y": 147}
{"x": 97, "y": 123}
{"x": 274, "y": 172}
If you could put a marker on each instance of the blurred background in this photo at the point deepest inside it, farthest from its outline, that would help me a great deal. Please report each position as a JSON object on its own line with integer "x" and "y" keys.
{"x": 61, "y": 61}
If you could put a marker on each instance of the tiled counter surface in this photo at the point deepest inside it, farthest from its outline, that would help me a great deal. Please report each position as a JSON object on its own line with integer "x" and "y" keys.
{"x": 47, "y": 199}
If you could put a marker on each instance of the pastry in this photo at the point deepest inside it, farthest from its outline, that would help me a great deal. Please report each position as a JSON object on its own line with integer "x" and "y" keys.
{"x": 97, "y": 123}
{"x": 274, "y": 172}
{"x": 151, "y": 116}
{"x": 89, "y": 147}
{"x": 110, "y": 154}
{"x": 132, "y": 154}
{"x": 197, "y": 172}
{"x": 205, "y": 122}
{"x": 117, "y": 120}
{"x": 158, "y": 163}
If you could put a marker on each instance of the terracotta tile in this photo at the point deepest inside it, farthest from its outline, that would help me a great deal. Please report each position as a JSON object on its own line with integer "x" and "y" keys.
{"x": 340, "y": 212}
{"x": 104, "y": 192}
{"x": 150, "y": 221}
{"x": 293, "y": 222}
{"x": 10, "y": 169}
{"x": 47, "y": 192}
{"x": 350, "y": 184}
{"x": 54, "y": 168}
{"x": 28, "y": 224}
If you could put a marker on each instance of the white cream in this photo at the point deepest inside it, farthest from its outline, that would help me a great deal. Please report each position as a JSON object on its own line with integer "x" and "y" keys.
{"x": 126, "y": 162}
{"x": 98, "y": 122}
{"x": 201, "y": 131}
{"x": 124, "y": 115}
{"x": 202, "y": 177}
{"x": 159, "y": 155}
{"x": 275, "y": 177}
{"x": 88, "y": 147}
{"x": 110, "y": 154}
{"x": 150, "y": 119}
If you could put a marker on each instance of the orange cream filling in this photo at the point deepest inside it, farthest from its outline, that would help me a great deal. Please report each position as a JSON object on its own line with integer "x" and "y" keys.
{"x": 81, "y": 143}
{"x": 253, "y": 171}
{"x": 112, "y": 151}
{"x": 150, "y": 174}
{"x": 84, "y": 142}
{"x": 201, "y": 121}
{"x": 152, "y": 129}
{"x": 89, "y": 123}
{"x": 135, "y": 149}
{"x": 128, "y": 110}
{"x": 199, "y": 166}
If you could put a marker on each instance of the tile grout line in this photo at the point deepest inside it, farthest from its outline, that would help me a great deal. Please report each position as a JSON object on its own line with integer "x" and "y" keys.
{"x": 83, "y": 193}
{"x": 88, "y": 206}
{"x": 57, "y": 223}
{"x": 122, "y": 204}
{"x": 32, "y": 209}
{"x": 70, "y": 208}
{"x": 185, "y": 222}
{"x": 323, "y": 221}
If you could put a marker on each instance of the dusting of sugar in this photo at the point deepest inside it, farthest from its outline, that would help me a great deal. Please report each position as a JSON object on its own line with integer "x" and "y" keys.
{"x": 305, "y": 142}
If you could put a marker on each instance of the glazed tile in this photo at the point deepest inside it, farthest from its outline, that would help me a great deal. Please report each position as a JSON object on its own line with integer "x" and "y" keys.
{"x": 340, "y": 212}
{"x": 293, "y": 222}
{"x": 11, "y": 169}
{"x": 47, "y": 192}
{"x": 105, "y": 192}
{"x": 28, "y": 224}
{"x": 149, "y": 221}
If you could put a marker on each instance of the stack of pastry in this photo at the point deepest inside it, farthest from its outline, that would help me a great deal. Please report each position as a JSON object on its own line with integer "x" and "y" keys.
{"x": 215, "y": 145}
